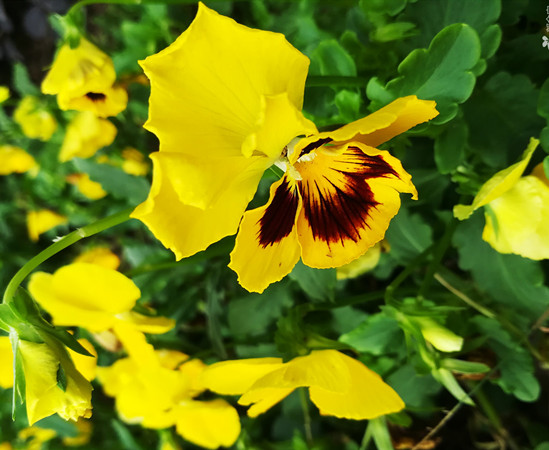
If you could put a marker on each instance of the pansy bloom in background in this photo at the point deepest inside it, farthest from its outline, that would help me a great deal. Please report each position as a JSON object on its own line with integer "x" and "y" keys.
{"x": 338, "y": 384}
{"x": 15, "y": 160}
{"x": 38, "y": 222}
{"x": 83, "y": 79}
{"x": 35, "y": 121}
{"x": 516, "y": 209}
{"x": 242, "y": 114}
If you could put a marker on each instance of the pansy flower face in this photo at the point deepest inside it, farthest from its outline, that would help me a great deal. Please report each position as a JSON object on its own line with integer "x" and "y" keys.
{"x": 226, "y": 105}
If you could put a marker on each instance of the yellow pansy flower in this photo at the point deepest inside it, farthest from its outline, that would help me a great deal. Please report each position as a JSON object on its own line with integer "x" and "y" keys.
{"x": 83, "y": 78}
{"x": 86, "y": 134}
{"x": 44, "y": 396}
{"x": 15, "y": 160}
{"x": 35, "y": 121}
{"x": 4, "y": 93}
{"x": 338, "y": 385}
{"x": 87, "y": 187}
{"x": 224, "y": 111}
{"x": 84, "y": 428}
{"x": 155, "y": 388}
{"x": 6, "y": 363}
{"x": 36, "y": 436}
{"x": 101, "y": 256}
{"x": 516, "y": 209}
{"x": 5, "y": 446}
{"x": 93, "y": 297}
{"x": 134, "y": 162}
{"x": 85, "y": 364}
{"x": 39, "y": 222}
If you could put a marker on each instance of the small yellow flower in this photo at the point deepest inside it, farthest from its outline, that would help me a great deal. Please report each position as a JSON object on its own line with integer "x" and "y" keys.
{"x": 6, "y": 363}
{"x": 5, "y": 446}
{"x": 338, "y": 385}
{"x": 339, "y": 192}
{"x": 84, "y": 428}
{"x": 36, "y": 436}
{"x": 101, "y": 256}
{"x": 44, "y": 396}
{"x": 35, "y": 121}
{"x": 83, "y": 78}
{"x": 15, "y": 160}
{"x": 93, "y": 297}
{"x": 134, "y": 162}
{"x": 87, "y": 187}
{"x": 516, "y": 209}
{"x": 86, "y": 134}
{"x": 4, "y": 93}
{"x": 39, "y": 222}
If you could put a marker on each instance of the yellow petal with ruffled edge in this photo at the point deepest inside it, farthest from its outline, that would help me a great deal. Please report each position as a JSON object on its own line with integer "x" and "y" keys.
{"x": 236, "y": 377}
{"x": 188, "y": 229}
{"x": 43, "y": 395}
{"x": 35, "y": 121}
{"x": 209, "y": 424}
{"x": 378, "y": 127}
{"x": 267, "y": 247}
{"x": 86, "y": 295}
{"x": 15, "y": 160}
{"x": 86, "y": 134}
{"x": 210, "y": 83}
{"x": 497, "y": 185}
{"x": 365, "y": 396}
{"x": 6, "y": 363}
{"x": 39, "y": 222}
{"x": 348, "y": 201}
{"x": 518, "y": 220}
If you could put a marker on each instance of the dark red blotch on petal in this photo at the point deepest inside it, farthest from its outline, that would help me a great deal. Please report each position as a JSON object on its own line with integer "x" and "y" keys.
{"x": 96, "y": 96}
{"x": 340, "y": 211}
{"x": 278, "y": 219}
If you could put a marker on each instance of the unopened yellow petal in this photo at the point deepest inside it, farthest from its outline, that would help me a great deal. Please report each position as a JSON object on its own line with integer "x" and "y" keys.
{"x": 438, "y": 336}
{"x": 101, "y": 256}
{"x": 86, "y": 134}
{"x": 39, "y": 222}
{"x": 361, "y": 265}
{"x": 211, "y": 80}
{"x": 349, "y": 200}
{"x": 518, "y": 220}
{"x": 267, "y": 246}
{"x": 236, "y": 377}
{"x": 497, "y": 185}
{"x": 209, "y": 424}
{"x": 15, "y": 160}
{"x": 367, "y": 395}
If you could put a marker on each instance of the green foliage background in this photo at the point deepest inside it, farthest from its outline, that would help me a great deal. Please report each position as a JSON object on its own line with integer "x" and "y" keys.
{"x": 484, "y": 64}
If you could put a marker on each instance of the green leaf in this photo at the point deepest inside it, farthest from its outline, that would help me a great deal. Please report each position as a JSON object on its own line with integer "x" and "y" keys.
{"x": 62, "y": 427}
{"x": 441, "y": 73}
{"x": 377, "y": 335}
{"x": 348, "y": 103}
{"x": 252, "y": 315}
{"x": 450, "y": 146}
{"x": 390, "y": 7}
{"x": 543, "y": 100}
{"x": 544, "y": 139}
{"x": 331, "y": 59}
{"x": 509, "y": 279}
{"x": 445, "y": 377}
{"x": 380, "y": 433}
{"x": 416, "y": 390}
{"x": 61, "y": 378}
{"x": 546, "y": 166}
{"x": 408, "y": 236}
{"x": 115, "y": 181}
{"x": 516, "y": 366}
{"x": 22, "y": 82}
{"x": 490, "y": 39}
{"x": 318, "y": 284}
{"x": 395, "y": 31}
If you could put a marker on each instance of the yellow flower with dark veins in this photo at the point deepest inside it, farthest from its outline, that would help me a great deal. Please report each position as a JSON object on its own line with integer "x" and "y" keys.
{"x": 83, "y": 80}
{"x": 35, "y": 121}
{"x": 338, "y": 384}
{"x": 225, "y": 105}
{"x": 516, "y": 209}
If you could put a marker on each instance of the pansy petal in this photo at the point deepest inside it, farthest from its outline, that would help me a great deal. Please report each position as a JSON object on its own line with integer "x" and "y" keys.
{"x": 262, "y": 399}
{"x": 205, "y": 85}
{"x": 6, "y": 363}
{"x": 208, "y": 424}
{"x": 497, "y": 185}
{"x": 236, "y": 377}
{"x": 15, "y": 160}
{"x": 518, "y": 221}
{"x": 105, "y": 102}
{"x": 38, "y": 222}
{"x": 380, "y": 126}
{"x": 267, "y": 248}
{"x": 85, "y": 364}
{"x": 148, "y": 324}
{"x": 186, "y": 229}
{"x": 348, "y": 201}
{"x": 368, "y": 395}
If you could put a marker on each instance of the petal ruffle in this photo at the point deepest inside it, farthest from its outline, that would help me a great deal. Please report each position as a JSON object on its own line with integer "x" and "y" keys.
{"x": 206, "y": 85}
{"x": 189, "y": 229}
{"x": 348, "y": 201}
{"x": 267, "y": 247}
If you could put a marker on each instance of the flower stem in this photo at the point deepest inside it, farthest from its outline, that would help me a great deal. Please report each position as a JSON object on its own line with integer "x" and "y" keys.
{"x": 64, "y": 242}
{"x": 306, "y": 416}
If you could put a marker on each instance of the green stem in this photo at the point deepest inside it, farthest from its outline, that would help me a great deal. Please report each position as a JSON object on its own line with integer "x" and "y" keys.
{"x": 64, "y": 242}
{"x": 306, "y": 416}
{"x": 315, "y": 81}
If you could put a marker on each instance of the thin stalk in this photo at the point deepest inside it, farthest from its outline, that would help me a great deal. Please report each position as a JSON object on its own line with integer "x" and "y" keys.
{"x": 306, "y": 416}
{"x": 61, "y": 244}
